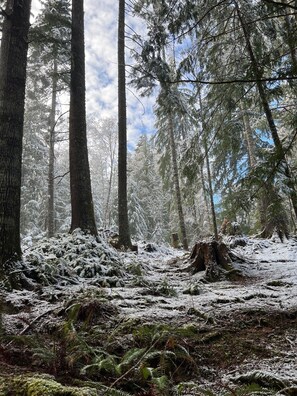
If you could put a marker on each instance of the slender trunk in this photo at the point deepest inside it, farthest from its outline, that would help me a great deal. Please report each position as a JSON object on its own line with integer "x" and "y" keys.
{"x": 262, "y": 203}
{"x": 51, "y": 165}
{"x": 248, "y": 136}
{"x": 176, "y": 184}
{"x": 204, "y": 189}
{"x": 124, "y": 232}
{"x": 210, "y": 189}
{"x": 268, "y": 113}
{"x": 107, "y": 204}
{"x": 80, "y": 181}
{"x": 13, "y": 65}
{"x": 209, "y": 178}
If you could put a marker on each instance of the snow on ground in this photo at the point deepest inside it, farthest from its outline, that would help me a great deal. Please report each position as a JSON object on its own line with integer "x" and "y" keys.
{"x": 155, "y": 286}
{"x": 270, "y": 280}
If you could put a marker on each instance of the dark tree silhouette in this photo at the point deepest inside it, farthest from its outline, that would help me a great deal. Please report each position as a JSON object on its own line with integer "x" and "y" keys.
{"x": 124, "y": 232}
{"x": 80, "y": 181}
{"x": 13, "y": 65}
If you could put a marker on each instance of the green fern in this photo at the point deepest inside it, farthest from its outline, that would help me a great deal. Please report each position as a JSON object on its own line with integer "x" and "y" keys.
{"x": 252, "y": 389}
{"x": 129, "y": 359}
{"x": 161, "y": 383}
{"x": 103, "y": 363}
{"x": 146, "y": 372}
{"x": 46, "y": 355}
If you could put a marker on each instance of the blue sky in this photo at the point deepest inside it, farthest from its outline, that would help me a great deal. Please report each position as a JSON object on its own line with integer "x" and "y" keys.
{"x": 101, "y": 19}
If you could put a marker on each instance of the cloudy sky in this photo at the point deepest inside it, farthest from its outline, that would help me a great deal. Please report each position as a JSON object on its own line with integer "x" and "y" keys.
{"x": 101, "y": 18}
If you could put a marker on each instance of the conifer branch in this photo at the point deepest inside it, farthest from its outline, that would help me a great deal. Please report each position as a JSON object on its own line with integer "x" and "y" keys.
{"x": 4, "y": 13}
{"x": 279, "y": 3}
{"x": 232, "y": 81}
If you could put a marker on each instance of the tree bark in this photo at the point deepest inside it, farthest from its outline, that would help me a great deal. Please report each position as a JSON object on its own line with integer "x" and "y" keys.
{"x": 177, "y": 185}
{"x": 210, "y": 189}
{"x": 51, "y": 165}
{"x": 205, "y": 195}
{"x": 248, "y": 136}
{"x": 13, "y": 65}
{"x": 211, "y": 257}
{"x": 209, "y": 178}
{"x": 123, "y": 221}
{"x": 107, "y": 214}
{"x": 80, "y": 181}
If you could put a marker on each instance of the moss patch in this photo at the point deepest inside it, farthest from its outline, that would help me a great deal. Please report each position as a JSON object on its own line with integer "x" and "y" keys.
{"x": 39, "y": 386}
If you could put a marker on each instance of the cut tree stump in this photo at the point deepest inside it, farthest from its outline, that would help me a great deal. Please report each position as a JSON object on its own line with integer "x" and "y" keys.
{"x": 175, "y": 240}
{"x": 213, "y": 258}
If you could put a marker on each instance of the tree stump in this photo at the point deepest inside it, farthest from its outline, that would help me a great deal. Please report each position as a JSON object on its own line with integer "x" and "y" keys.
{"x": 175, "y": 240}
{"x": 211, "y": 257}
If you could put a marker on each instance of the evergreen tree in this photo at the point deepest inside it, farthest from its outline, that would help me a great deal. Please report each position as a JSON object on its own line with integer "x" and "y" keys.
{"x": 13, "y": 62}
{"x": 103, "y": 148}
{"x": 80, "y": 182}
{"x": 48, "y": 71}
{"x": 147, "y": 199}
{"x": 123, "y": 221}
{"x": 244, "y": 57}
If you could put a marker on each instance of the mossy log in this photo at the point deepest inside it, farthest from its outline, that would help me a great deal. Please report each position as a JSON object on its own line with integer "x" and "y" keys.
{"x": 213, "y": 258}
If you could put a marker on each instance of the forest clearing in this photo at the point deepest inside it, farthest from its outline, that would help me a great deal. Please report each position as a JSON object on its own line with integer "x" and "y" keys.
{"x": 142, "y": 324}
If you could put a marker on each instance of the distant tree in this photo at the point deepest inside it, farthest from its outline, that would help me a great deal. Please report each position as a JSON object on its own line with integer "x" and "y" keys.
{"x": 80, "y": 182}
{"x": 173, "y": 120}
{"x": 147, "y": 198}
{"x": 13, "y": 64}
{"x": 103, "y": 148}
{"x": 48, "y": 72}
{"x": 123, "y": 221}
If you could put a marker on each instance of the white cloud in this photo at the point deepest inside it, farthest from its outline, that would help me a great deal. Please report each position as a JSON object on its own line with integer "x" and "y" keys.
{"x": 101, "y": 22}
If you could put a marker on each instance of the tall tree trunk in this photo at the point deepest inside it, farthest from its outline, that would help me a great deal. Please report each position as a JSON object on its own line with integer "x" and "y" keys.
{"x": 124, "y": 230}
{"x": 248, "y": 133}
{"x": 80, "y": 181}
{"x": 210, "y": 189}
{"x": 13, "y": 64}
{"x": 182, "y": 225}
{"x": 106, "y": 221}
{"x": 262, "y": 203}
{"x": 51, "y": 166}
{"x": 209, "y": 178}
{"x": 268, "y": 113}
{"x": 205, "y": 195}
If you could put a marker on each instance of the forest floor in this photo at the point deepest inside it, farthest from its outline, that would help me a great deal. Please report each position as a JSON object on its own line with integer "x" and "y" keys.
{"x": 102, "y": 322}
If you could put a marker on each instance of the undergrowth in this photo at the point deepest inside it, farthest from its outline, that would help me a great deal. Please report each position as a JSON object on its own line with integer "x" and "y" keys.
{"x": 94, "y": 346}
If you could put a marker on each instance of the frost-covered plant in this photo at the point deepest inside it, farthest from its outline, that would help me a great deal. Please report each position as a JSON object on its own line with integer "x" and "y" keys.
{"x": 72, "y": 256}
{"x": 160, "y": 289}
{"x": 133, "y": 366}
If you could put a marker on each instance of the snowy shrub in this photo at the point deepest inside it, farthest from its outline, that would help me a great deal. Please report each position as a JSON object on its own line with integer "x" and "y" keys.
{"x": 72, "y": 255}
